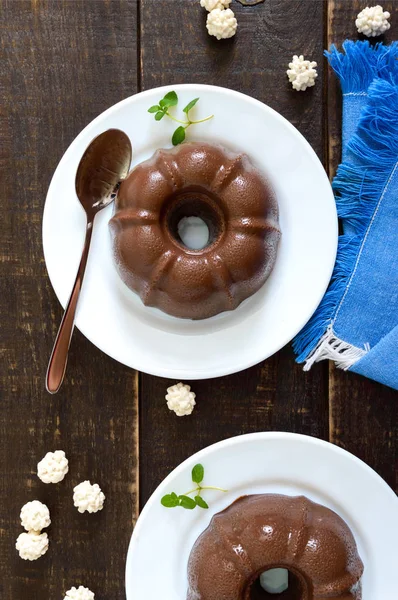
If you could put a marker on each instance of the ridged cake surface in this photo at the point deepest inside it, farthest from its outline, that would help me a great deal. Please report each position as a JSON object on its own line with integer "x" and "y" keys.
{"x": 265, "y": 531}
{"x": 235, "y": 201}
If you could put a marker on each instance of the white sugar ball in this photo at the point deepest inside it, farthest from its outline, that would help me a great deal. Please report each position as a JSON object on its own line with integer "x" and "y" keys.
{"x": 35, "y": 516}
{"x": 53, "y": 467}
{"x": 88, "y": 497}
{"x": 32, "y": 545}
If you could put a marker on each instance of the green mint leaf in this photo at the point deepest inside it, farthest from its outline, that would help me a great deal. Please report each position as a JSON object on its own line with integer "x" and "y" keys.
{"x": 178, "y": 136}
{"x": 163, "y": 105}
{"x": 187, "y": 502}
{"x": 198, "y": 473}
{"x": 190, "y": 105}
{"x": 170, "y": 500}
{"x": 159, "y": 116}
{"x": 170, "y": 99}
{"x": 154, "y": 108}
{"x": 200, "y": 502}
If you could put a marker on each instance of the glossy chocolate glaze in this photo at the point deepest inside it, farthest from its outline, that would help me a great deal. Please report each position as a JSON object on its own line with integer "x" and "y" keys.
{"x": 239, "y": 208}
{"x": 265, "y": 531}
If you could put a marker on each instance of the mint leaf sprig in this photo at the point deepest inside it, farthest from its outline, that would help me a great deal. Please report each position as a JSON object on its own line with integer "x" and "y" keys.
{"x": 184, "y": 500}
{"x": 163, "y": 109}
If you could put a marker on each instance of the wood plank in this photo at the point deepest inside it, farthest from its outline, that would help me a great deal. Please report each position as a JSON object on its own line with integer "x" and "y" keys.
{"x": 62, "y": 63}
{"x": 363, "y": 413}
{"x": 175, "y": 48}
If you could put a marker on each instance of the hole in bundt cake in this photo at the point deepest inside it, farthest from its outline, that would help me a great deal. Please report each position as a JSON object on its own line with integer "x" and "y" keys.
{"x": 193, "y": 232}
{"x": 276, "y": 584}
{"x": 275, "y": 581}
{"x": 194, "y": 209}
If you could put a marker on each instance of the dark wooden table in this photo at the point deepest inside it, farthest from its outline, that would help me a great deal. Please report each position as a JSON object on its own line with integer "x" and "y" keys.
{"x": 62, "y": 63}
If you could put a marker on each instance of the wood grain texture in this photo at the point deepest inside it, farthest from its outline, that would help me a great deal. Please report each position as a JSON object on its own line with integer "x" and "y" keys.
{"x": 62, "y": 63}
{"x": 363, "y": 413}
{"x": 175, "y": 48}
{"x": 272, "y": 396}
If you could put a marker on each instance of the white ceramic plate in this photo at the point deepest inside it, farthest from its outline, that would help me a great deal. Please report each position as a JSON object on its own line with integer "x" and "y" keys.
{"x": 113, "y": 317}
{"x": 265, "y": 463}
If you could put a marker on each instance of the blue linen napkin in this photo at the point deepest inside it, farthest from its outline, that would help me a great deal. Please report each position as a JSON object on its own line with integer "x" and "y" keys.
{"x": 356, "y": 324}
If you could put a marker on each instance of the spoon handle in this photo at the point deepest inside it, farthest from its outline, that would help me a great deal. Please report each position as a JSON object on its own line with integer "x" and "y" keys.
{"x": 59, "y": 356}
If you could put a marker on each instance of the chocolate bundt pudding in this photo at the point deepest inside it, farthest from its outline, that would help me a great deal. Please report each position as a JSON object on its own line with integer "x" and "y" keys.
{"x": 236, "y": 203}
{"x": 268, "y": 531}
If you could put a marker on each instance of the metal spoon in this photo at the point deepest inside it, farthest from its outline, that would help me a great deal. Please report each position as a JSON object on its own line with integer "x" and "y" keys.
{"x": 104, "y": 164}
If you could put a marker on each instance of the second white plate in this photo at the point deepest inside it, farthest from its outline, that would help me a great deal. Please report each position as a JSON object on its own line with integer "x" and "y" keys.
{"x": 113, "y": 317}
{"x": 283, "y": 463}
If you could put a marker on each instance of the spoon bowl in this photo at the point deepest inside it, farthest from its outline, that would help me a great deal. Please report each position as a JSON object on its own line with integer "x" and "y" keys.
{"x": 104, "y": 164}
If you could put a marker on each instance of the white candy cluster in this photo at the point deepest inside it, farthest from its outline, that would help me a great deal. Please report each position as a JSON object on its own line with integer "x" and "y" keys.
{"x": 35, "y": 516}
{"x": 87, "y": 497}
{"x": 80, "y": 593}
{"x": 212, "y": 4}
{"x": 180, "y": 399}
{"x": 53, "y": 467}
{"x": 373, "y": 21}
{"x": 32, "y": 545}
{"x": 221, "y": 23}
{"x": 302, "y": 73}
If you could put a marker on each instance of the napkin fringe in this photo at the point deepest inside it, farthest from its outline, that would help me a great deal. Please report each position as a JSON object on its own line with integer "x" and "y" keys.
{"x": 359, "y": 188}
{"x": 361, "y": 62}
{"x": 331, "y": 347}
